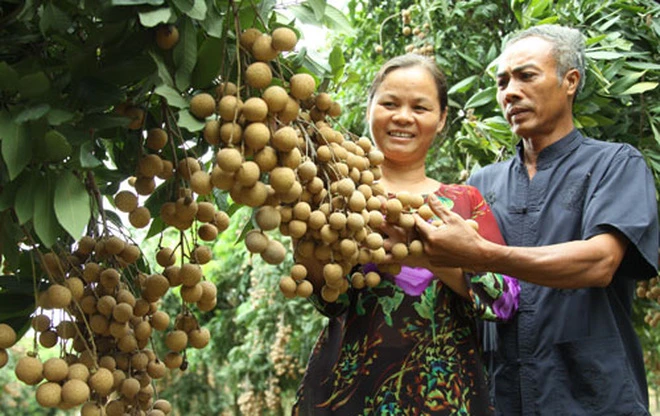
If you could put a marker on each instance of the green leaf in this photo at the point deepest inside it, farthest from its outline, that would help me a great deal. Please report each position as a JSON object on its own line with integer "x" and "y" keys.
{"x": 16, "y": 148}
{"x": 8, "y": 77}
{"x": 56, "y": 146}
{"x": 604, "y": 55}
{"x": 482, "y": 97}
{"x": 58, "y": 116}
{"x": 189, "y": 122}
{"x": 13, "y": 305}
{"x": 640, "y": 87}
{"x": 15, "y": 284}
{"x": 172, "y": 96}
{"x": 54, "y": 19}
{"x": 336, "y": 20}
{"x": 213, "y": 23}
{"x": 463, "y": 85}
{"x": 45, "y": 221}
{"x": 32, "y": 113}
{"x": 163, "y": 72}
{"x": 87, "y": 158}
{"x": 337, "y": 62}
{"x": 305, "y": 14}
{"x": 208, "y": 64}
{"x": 72, "y": 204}
{"x": 8, "y": 195}
{"x": 153, "y": 18}
{"x": 136, "y": 2}
{"x": 318, "y": 7}
{"x": 470, "y": 60}
{"x": 185, "y": 54}
{"x": 24, "y": 202}
{"x": 33, "y": 85}
{"x": 198, "y": 11}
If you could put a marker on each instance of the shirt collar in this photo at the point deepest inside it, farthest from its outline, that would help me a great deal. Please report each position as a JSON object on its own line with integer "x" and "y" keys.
{"x": 559, "y": 148}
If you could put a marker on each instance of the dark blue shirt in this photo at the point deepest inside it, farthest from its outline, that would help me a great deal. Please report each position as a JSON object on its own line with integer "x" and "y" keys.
{"x": 573, "y": 352}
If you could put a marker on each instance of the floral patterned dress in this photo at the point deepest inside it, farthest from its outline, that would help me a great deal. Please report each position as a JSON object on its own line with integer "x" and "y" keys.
{"x": 409, "y": 346}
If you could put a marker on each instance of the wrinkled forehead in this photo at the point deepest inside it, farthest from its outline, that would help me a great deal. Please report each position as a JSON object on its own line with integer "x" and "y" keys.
{"x": 531, "y": 51}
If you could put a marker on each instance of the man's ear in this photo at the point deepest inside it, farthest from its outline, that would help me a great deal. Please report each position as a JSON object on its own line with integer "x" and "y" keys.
{"x": 573, "y": 81}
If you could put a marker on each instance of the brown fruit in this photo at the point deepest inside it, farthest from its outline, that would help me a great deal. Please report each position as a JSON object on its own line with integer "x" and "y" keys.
{"x": 304, "y": 289}
{"x": 200, "y": 183}
{"x": 7, "y": 336}
{"x": 29, "y": 370}
{"x": 256, "y": 241}
{"x": 126, "y": 201}
{"x": 255, "y": 109}
{"x": 276, "y": 98}
{"x": 136, "y": 115}
{"x": 274, "y": 253}
{"x": 282, "y": 178}
{"x": 248, "y": 37}
{"x": 290, "y": 111}
{"x": 59, "y": 296}
{"x": 231, "y": 133}
{"x": 176, "y": 340}
{"x": 156, "y": 138}
{"x": 139, "y": 217}
{"x": 288, "y": 287}
{"x": 167, "y": 36}
{"x": 229, "y": 159}
{"x": 285, "y": 139}
{"x": 49, "y": 394}
{"x": 262, "y": 48}
{"x": 211, "y": 132}
{"x": 202, "y": 105}
{"x": 75, "y": 392}
{"x": 256, "y": 135}
{"x": 230, "y": 107}
{"x": 187, "y": 166}
{"x": 302, "y": 86}
{"x": 258, "y": 75}
{"x": 268, "y": 218}
{"x": 284, "y": 39}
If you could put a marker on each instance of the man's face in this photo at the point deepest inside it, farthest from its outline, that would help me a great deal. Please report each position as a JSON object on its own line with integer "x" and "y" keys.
{"x": 535, "y": 102}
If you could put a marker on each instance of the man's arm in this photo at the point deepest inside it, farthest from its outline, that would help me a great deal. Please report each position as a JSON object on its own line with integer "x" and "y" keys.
{"x": 570, "y": 265}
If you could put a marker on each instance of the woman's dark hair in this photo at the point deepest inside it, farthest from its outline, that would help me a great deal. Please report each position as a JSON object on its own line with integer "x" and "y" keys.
{"x": 412, "y": 60}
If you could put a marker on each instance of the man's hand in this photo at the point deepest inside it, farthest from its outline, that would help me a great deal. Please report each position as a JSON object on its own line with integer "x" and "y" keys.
{"x": 455, "y": 243}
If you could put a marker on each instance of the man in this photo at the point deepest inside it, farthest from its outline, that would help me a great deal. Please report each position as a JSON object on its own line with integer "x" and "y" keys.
{"x": 580, "y": 220}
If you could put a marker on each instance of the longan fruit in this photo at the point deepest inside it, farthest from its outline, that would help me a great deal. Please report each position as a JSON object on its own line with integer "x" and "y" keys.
{"x": 156, "y": 138}
{"x": 274, "y": 253}
{"x": 221, "y": 220}
{"x": 165, "y": 257}
{"x": 29, "y": 370}
{"x": 59, "y": 296}
{"x": 49, "y": 394}
{"x": 372, "y": 279}
{"x": 266, "y": 158}
{"x": 323, "y": 101}
{"x": 129, "y": 387}
{"x": 285, "y": 139}
{"x": 48, "y": 338}
{"x": 92, "y": 409}
{"x": 155, "y": 286}
{"x": 160, "y": 320}
{"x": 256, "y": 135}
{"x": 284, "y": 39}
{"x": 268, "y": 218}
{"x": 276, "y": 98}
{"x": 40, "y": 323}
{"x": 200, "y": 183}
{"x": 136, "y": 115}
{"x": 288, "y": 286}
{"x": 304, "y": 289}
{"x": 125, "y": 201}
{"x": 329, "y": 294}
{"x": 78, "y": 371}
{"x": 211, "y": 132}
{"x": 255, "y": 109}
{"x": 230, "y": 107}
{"x": 187, "y": 166}
{"x": 290, "y": 111}
{"x": 302, "y": 86}
{"x": 55, "y": 369}
{"x": 262, "y": 48}
{"x": 248, "y": 174}
{"x": 7, "y": 336}
{"x": 75, "y": 392}
{"x": 258, "y": 75}
{"x": 199, "y": 338}
{"x": 256, "y": 241}
{"x": 231, "y": 133}
{"x": 202, "y": 105}
{"x": 176, "y": 340}
{"x": 139, "y": 217}
{"x": 248, "y": 36}
{"x": 229, "y": 159}
{"x": 207, "y": 232}
{"x": 282, "y": 178}
{"x": 167, "y": 36}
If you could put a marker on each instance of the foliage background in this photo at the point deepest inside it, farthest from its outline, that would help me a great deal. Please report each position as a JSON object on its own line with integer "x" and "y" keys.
{"x": 64, "y": 66}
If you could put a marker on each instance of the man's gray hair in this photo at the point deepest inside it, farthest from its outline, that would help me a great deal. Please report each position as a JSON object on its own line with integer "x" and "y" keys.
{"x": 568, "y": 47}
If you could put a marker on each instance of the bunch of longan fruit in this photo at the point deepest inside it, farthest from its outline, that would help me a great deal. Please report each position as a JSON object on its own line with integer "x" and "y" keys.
{"x": 101, "y": 311}
{"x": 650, "y": 289}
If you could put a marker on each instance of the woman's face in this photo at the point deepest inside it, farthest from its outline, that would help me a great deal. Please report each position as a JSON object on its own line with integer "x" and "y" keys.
{"x": 404, "y": 114}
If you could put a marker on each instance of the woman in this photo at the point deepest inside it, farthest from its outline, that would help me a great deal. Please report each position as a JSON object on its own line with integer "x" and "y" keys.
{"x": 410, "y": 345}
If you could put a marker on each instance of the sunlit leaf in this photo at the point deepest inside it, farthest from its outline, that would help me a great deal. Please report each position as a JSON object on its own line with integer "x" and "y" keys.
{"x": 71, "y": 204}
{"x": 45, "y": 221}
{"x": 153, "y": 18}
{"x": 172, "y": 96}
{"x": 483, "y": 97}
{"x": 189, "y": 122}
{"x": 640, "y": 87}
{"x": 16, "y": 147}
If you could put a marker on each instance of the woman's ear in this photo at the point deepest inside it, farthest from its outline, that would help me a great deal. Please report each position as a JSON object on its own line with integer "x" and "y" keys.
{"x": 441, "y": 122}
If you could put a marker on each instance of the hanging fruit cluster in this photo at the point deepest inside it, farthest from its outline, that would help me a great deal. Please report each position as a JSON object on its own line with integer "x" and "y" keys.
{"x": 650, "y": 289}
